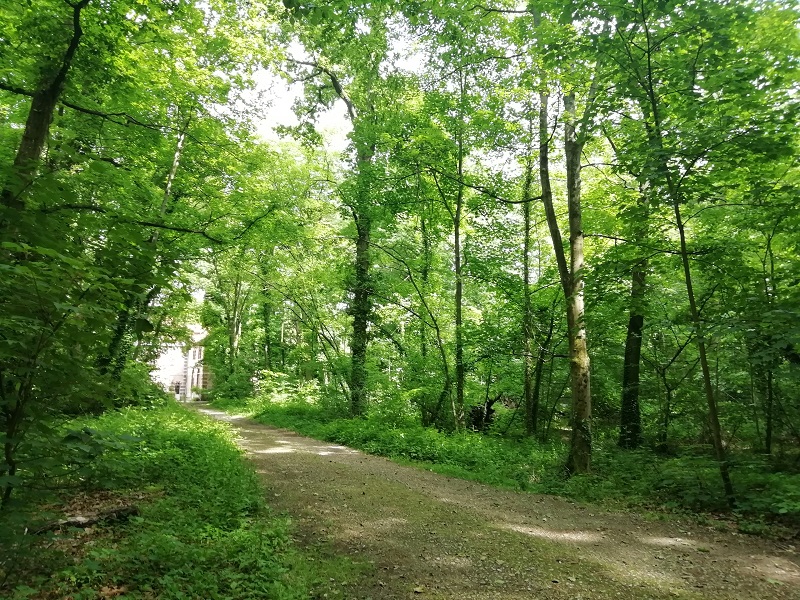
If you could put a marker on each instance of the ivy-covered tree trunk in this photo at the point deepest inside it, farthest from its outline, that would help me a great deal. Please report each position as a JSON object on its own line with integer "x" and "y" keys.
{"x": 458, "y": 405}
{"x": 360, "y": 310}
{"x": 135, "y": 308}
{"x": 630, "y": 430}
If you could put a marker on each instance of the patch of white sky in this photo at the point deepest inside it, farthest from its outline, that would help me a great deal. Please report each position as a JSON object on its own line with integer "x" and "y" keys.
{"x": 279, "y": 95}
{"x": 408, "y": 53}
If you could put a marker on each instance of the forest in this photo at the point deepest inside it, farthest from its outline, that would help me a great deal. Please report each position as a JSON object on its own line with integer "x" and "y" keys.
{"x": 556, "y": 250}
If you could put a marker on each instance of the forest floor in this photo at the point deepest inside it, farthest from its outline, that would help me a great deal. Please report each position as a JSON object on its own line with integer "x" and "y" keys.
{"x": 421, "y": 535}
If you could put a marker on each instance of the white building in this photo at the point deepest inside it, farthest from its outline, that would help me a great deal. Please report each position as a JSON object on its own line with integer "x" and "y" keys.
{"x": 180, "y": 369}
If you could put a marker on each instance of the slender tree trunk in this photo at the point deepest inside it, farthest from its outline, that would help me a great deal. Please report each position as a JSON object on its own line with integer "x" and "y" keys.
{"x": 713, "y": 414}
{"x": 458, "y": 406}
{"x": 571, "y": 275}
{"x": 530, "y": 390}
{"x": 660, "y": 160}
{"x": 117, "y": 350}
{"x": 769, "y": 392}
{"x": 13, "y": 414}
{"x": 266, "y": 316}
{"x": 666, "y": 416}
{"x": 531, "y": 398}
{"x": 425, "y": 274}
{"x": 630, "y": 431}
{"x": 768, "y": 410}
{"x": 550, "y": 211}
{"x": 539, "y": 369}
{"x": 547, "y": 195}
{"x": 283, "y": 342}
{"x": 581, "y": 445}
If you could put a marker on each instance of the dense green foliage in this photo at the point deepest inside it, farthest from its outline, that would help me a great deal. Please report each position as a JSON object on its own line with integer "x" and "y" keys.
{"x": 455, "y": 194}
{"x": 204, "y": 530}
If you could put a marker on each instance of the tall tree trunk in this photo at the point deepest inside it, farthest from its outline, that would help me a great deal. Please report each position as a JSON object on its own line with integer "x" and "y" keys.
{"x": 770, "y": 293}
{"x": 768, "y": 410}
{"x": 117, "y": 351}
{"x": 579, "y": 457}
{"x": 541, "y": 358}
{"x": 425, "y": 274}
{"x": 547, "y": 195}
{"x": 360, "y": 310}
{"x": 458, "y": 406}
{"x": 37, "y": 125}
{"x": 266, "y": 317}
{"x": 550, "y": 211}
{"x": 660, "y": 160}
{"x": 530, "y": 388}
{"x": 630, "y": 430}
{"x": 666, "y": 416}
{"x": 713, "y": 413}
{"x": 361, "y": 305}
{"x": 581, "y": 445}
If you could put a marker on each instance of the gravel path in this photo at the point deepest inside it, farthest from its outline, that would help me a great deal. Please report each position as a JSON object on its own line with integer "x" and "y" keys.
{"x": 422, "y": 535}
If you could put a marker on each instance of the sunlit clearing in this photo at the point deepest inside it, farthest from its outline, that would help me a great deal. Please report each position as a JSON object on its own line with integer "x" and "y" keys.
{"x": 328, "y": 450}
{"x": 548, "y": 534}
{"x": 667, "y": 541}
{"x": 779, "y": 569}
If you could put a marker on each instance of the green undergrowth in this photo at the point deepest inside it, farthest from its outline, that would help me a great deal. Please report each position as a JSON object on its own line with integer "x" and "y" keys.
{"x": 203, "y": 530}
{"x": 767, "y": 500}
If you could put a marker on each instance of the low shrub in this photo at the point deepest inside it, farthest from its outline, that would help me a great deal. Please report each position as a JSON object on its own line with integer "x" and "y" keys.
{"x": 203, "y": 530}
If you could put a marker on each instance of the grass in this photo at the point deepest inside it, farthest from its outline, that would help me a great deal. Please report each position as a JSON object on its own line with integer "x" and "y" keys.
{"x": 640, "y": 479}
{"x": 203, "y": 530}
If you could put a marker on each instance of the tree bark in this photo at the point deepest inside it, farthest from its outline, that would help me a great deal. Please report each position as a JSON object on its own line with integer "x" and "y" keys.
{"x": 630, "y": 431}
{"x": 581, "y": 445}
{"x": 360, "y": 310}
{"x": 713, "y": 413}
{"x": 458, "y": 406}
{"x": 37, "y": 124}
{"x": 530, "y": 388}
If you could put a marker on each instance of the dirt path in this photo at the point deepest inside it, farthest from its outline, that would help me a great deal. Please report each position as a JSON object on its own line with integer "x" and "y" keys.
{"x": 430, "y": 536}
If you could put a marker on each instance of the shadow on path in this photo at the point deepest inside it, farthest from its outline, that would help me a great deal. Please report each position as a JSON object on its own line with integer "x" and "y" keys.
{"x": 431, "y": 536}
